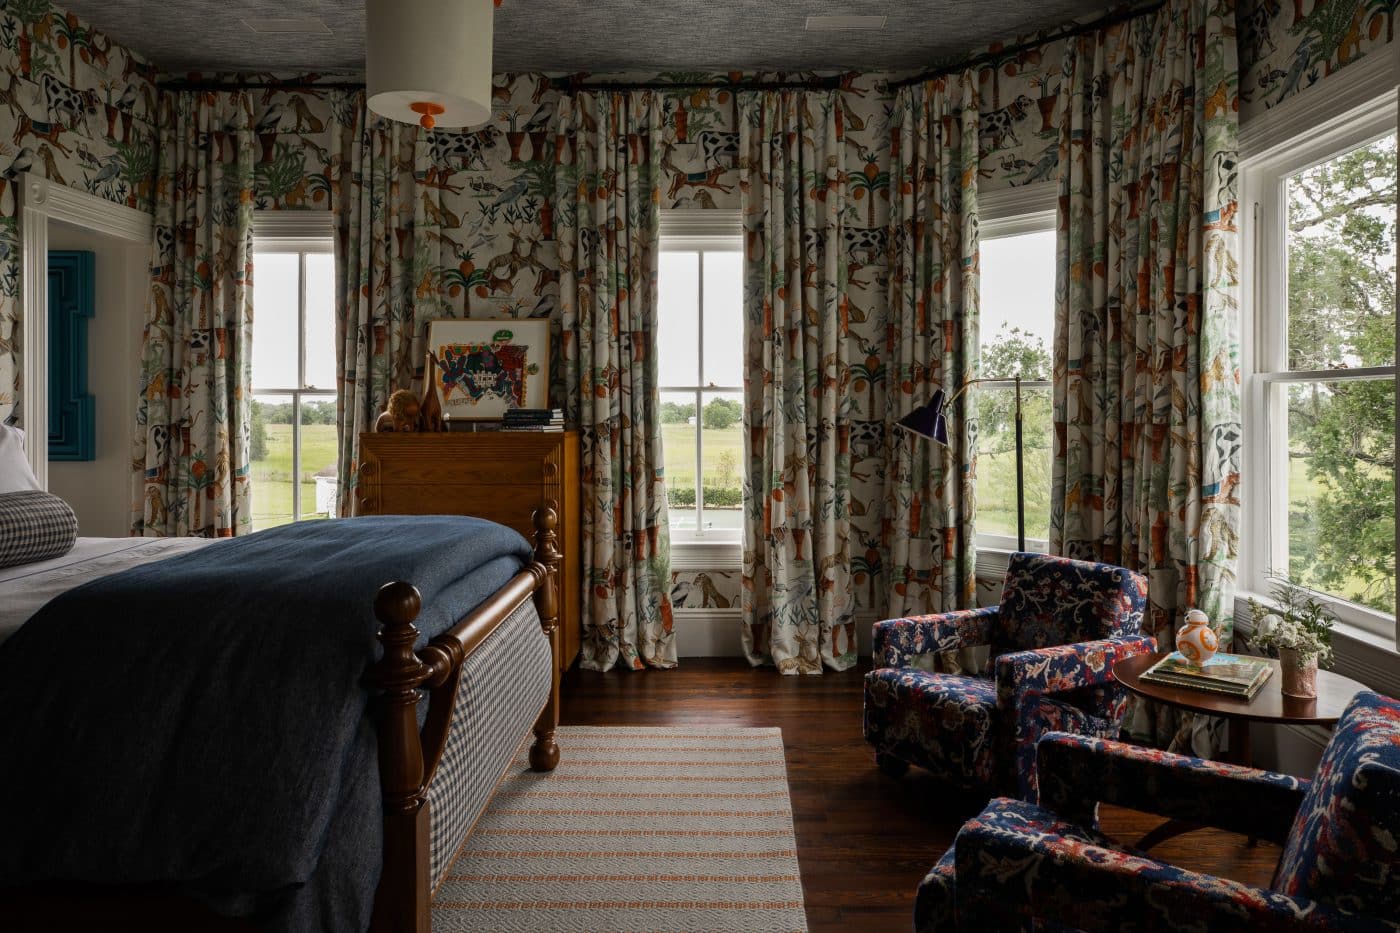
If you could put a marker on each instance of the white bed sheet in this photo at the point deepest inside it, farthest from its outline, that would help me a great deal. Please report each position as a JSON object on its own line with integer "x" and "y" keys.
{"x": 25, "y": 589}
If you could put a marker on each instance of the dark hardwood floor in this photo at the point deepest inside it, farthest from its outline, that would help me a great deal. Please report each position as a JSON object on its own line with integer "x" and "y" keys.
{"x": 864, "y": 840}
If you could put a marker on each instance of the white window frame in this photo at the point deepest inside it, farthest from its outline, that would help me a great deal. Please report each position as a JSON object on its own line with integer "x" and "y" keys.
{"x": 1012, "y": 212}
{"x": 303, "y": 233}
{"x": 702, "y": 231}
{"x": 1284, "y": 141}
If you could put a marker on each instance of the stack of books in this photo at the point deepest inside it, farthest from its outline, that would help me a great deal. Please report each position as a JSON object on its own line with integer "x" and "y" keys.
{"x": 1230, "y": 674}
{"x": 533, "y": 419}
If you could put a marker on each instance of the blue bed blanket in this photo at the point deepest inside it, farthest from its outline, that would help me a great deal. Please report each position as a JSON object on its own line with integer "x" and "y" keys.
{"x": 202, "y": 721}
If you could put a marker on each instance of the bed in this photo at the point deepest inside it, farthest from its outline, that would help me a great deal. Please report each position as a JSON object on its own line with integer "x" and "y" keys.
{"x": 485, "y": 680}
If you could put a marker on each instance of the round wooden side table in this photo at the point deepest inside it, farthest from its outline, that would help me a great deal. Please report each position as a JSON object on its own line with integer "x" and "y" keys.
{"x": 1269, "y": 705}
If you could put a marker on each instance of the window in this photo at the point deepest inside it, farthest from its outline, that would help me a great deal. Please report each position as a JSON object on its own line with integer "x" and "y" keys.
{"x": 700, "y": 359}
{"x": 1017, "y": 330}
{"x": 293, "y": 430}
{"x": 1320, "y": 421}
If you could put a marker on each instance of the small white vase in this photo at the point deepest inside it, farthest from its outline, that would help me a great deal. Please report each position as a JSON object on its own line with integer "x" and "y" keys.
{"x": 1196, "y": 640}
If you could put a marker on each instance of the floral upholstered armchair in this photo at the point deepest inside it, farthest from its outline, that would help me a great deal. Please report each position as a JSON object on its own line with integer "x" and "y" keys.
{"x": 1340, "y": 867}
{"x": 1061, "y": 626}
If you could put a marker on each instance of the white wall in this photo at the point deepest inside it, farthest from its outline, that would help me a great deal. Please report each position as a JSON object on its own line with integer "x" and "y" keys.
{"x": 100, "y": 490}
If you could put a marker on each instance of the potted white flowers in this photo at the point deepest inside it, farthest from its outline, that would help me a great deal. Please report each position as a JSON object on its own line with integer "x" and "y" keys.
{"x": 1300, "y": 628}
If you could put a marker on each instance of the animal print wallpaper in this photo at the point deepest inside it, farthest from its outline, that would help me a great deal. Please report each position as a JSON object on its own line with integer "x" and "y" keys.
{"x": 79, "y": 110}
{"x": 1287, "y": 46}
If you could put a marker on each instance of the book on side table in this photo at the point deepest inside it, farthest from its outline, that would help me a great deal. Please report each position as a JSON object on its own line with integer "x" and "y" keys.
{"x": 1231, "y": 674}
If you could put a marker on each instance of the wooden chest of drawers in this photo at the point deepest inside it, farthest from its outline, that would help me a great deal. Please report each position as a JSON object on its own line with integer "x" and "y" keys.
{"x": 500, "y": 476}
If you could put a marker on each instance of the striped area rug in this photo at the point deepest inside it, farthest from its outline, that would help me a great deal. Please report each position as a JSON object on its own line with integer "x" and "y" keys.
{"x": 674, "y": 829}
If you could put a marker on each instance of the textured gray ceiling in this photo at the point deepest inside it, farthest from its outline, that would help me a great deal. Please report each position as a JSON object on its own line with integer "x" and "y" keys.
{"x": 588, "y": 35}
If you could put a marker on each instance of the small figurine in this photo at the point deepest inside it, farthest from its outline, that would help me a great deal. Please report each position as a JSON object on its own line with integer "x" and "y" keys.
{"x": 401, "y": 415}
{"x": 1196, "y": 640}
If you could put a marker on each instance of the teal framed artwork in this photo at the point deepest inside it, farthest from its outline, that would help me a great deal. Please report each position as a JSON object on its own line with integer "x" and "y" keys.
{"x": 72, "y": 411}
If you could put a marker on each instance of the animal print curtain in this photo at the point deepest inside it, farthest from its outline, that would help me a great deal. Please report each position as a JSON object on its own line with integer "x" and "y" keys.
{"x": 1146, "y": 362}
{"x": 380, "y": 326}
{"x": 190, "y": 453}
{"x": 931, "y": 344}
{"x": 798, "y": 611}
{"x": 607, "y": 216}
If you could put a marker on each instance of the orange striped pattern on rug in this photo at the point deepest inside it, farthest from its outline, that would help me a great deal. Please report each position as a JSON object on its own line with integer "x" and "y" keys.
{"x": 685, "y": 829}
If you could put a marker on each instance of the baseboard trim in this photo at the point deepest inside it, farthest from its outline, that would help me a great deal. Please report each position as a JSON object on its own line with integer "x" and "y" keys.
{"x": 1316, "y": 736}
{"x": 708, "y": 633}
{"x": 715, "y": 633}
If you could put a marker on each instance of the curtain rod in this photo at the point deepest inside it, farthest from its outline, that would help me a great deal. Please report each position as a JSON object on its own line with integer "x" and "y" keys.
{"x": 823, "y": 83}
{"x": 832, "y": 82}
{"x": 259, "y": 86}
{"x": 1103, "y": 22}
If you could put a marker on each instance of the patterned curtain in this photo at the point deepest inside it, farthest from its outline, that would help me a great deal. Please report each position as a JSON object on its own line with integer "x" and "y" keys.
{"x": 607, "y": 216}
{"x": 1146, "y": 371}
{"x": 190, "y": 451}
{"x": 798, "y": 611}
{"x": 380, "y": 345}
{"x": 931, "y": 343}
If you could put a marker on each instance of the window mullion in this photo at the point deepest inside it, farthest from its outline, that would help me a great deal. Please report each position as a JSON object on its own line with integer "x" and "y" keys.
{"x": 700, "y": 401}
{"x": 301, "y": 384}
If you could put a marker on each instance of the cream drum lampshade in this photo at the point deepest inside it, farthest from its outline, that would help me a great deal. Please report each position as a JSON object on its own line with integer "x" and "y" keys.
{"x": 429, "y": 61}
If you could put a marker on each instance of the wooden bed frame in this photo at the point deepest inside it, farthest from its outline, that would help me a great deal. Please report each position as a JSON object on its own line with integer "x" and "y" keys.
{"x": 408, "y": 759}
{"x": 407, "y": 762}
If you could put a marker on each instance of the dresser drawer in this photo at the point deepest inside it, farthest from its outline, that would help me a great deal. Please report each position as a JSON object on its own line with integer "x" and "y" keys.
{"x": 511, "y": 506}
{"x": 432, "y": 464}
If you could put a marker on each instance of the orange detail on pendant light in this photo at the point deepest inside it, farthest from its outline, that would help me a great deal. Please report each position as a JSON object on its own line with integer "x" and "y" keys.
{"x": 427, "y": 112}
{"x": 428, "y": 62}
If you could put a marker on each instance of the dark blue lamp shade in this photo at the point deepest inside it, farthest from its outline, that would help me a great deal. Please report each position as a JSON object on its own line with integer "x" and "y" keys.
{"x": 927, "y": 421}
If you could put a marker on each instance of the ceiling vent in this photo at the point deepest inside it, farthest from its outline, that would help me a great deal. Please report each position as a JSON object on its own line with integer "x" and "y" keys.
{"x": 287, "y": 25}
{"x": 827, "y": 23}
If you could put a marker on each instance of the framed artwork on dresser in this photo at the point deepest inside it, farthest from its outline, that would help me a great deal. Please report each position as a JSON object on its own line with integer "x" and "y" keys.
{"x": 483, "y": 368}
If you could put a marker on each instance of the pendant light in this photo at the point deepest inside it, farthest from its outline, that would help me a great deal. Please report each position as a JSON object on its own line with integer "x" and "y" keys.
{"x": 429, "y": 61}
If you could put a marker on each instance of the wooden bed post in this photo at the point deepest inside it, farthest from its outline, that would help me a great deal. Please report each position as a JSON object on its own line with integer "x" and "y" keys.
{"x": 544, "y": 752}
{"x": 401, "y": 903}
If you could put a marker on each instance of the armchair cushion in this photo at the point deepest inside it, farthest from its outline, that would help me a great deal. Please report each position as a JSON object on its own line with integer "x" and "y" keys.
{"x": 1344, "y": 847}
{"x": 1056, "y": 601}
{"x": 897, "y": 642}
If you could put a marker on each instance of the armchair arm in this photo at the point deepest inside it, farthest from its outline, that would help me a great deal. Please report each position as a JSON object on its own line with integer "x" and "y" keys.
{"x": 899, "y": 641}
{"x": 1007, "y": 874}
{"x": 1077, "y": 772}
{"x": 1063, "y": 667}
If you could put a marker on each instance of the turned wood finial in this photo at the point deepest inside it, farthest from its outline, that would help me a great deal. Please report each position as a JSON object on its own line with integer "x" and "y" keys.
{"x": 397, "y": 604}
{"x": 544, "y": 751}
{"x": 399, "y": 674}
{"x": 547, "y": 553}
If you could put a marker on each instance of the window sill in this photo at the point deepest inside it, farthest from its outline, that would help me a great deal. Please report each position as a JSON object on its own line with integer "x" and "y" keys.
{"x": 1357, "y": 653}
{"x": 993, "y": 558}
{"x": 707, "y": 555}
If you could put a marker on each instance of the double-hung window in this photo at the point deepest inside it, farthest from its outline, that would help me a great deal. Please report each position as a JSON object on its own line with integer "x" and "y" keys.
{"x": 293, "y": 424}
{"x": 1320, "y": 345}
{"x": 700, "y": 362}
{"x": 1016, "y": 327}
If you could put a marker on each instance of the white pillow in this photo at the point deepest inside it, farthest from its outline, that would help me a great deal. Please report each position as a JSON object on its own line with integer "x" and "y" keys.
{"x": 15, "y": 474}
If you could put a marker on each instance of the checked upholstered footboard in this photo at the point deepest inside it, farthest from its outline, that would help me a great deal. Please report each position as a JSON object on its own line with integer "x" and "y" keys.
{"x": 504, "y": 685}
{"x": 488, "y": 679}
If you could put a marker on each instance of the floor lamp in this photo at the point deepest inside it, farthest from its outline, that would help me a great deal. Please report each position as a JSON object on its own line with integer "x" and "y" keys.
{"x": 928, "y": 422}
